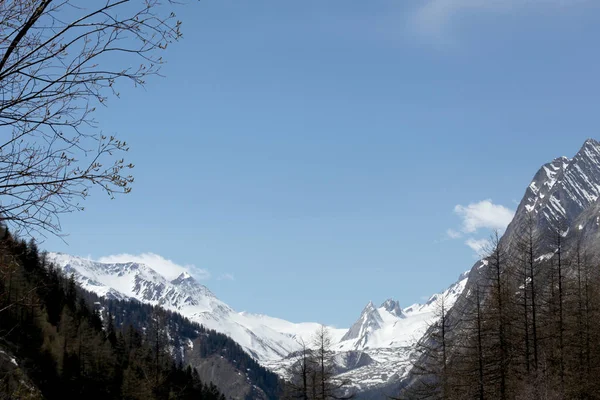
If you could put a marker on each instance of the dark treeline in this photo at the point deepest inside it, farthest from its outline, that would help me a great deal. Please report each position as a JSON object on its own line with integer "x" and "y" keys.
{"x": 178, "y": 331}
{"x": 528, "y": 326}
{"x": 66, "y": 349}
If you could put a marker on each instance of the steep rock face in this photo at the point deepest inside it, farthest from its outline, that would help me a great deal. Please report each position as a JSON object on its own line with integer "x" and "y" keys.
{"x": 562, "y": 196}
{"x": 393, "y": 307}
{"x": 543, "y": 182}
{"x": 559, "y": 192}
{"x": 369, "y": 321}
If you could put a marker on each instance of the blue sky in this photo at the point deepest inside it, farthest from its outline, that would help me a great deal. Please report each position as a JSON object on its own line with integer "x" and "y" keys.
{"x": 303, "y": 158}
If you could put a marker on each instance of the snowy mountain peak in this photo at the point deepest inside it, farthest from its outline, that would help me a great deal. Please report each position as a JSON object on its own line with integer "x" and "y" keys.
{"x": 369, "y": 321}
{"x": 262, "y": 337}
{"x": 393, "y": 307}
{"x": 183, "y": 277}
{"x": 137, "y": 281}
{"x": 591, "y": 142}
{"x": 562, "y": 189}
{"x": 543, "y": 182}
{"x": 389, "y": 326}
{"x": 380, "y": 334}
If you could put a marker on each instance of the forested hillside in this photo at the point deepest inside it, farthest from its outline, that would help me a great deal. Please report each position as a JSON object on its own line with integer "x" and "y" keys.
{"x": 526, "y": 325}
{"x": 191, "y": 343}
{"x": 531, "y": 333}
{"x": 54, "y": 345}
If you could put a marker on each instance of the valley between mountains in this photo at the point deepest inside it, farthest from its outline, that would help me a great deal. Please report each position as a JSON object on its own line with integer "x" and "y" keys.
{"x": 375, "y": 350}
{"x": 377, "y": 353}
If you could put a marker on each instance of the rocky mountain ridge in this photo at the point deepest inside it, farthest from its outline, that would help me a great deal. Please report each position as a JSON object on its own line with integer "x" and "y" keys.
{"x": 382, "y": 338}
{"x": 562, "y": 199}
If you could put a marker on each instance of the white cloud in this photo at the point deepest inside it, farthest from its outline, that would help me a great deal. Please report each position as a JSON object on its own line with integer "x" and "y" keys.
{"x": 479, "y": 246}
{"x": 483, "y": 214}
{"x": 226, "y": 277}
{"x": 432, "y": 17}
{"x": 163, "y": 266}
{"x": 452, "y": 234}
{"x": 480, "y": 215}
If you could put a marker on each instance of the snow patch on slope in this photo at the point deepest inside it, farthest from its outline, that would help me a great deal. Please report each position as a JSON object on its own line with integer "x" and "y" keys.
{"x": 264, "y": 338}
{"x": 565, "y": 187}
{"x": 380, "y": 328}
{"x": 381, "y": 343}
{"x": 376, "y": 348}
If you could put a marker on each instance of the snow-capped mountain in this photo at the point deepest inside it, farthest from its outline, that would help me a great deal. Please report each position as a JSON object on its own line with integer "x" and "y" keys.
{"x": 561, "y": 190}
{"x": 376, "y": 348}
{"x": 370, "y": 320}
{"x": 393, "y": 307}
{"x": 265, "y": 338}
{"x": 387, "y": 335}
{"x": 379, "y": 347}
{"x": 388, "y": 326}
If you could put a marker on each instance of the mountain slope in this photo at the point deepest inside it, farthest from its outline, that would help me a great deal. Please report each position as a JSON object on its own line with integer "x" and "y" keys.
{"x": 265, "y": 338}
{"x": 384, "y": 335}
{"x": 560, "y": 191}
{"x": 562, "y": 200}
{"x": 378, "y": 349}
{"x": 216, "y": 357}
{"x": 389, "y": 326}
{"x": 55, "y": 345}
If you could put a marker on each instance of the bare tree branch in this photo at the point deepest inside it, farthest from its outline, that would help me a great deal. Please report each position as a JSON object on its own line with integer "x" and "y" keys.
{"x": 60, "y": 60}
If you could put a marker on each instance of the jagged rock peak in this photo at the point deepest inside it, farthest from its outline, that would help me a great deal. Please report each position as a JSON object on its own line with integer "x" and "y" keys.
{"x": 561, "y": 189}
{"x": 369, "y": 320}
{"x": 393, "y": 307}
{"x": 138, "y": 281}
{"x": 370, "y": 306}
{"x": 184, "y": 276}
{"x": 543, "y": 182}
{"x": 589, "y": 150}
{"x": 370, "y": 313}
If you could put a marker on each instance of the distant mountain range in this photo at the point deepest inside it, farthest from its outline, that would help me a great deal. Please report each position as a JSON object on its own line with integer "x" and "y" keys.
{"x": 384, "y": 333}
{"x": 377, "y": 350}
